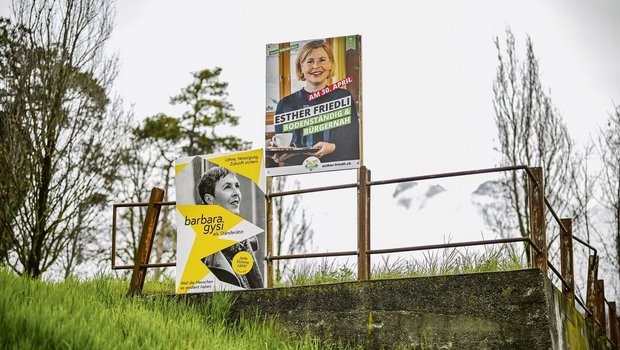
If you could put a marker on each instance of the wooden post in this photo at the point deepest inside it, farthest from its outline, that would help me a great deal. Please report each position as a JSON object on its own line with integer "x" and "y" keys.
{"x": 537, "y": 218}
{"x": 600, "y": 306}
{"x": 566, "y": 255}
{"x": 362, "y": 225}
{"x": 146, "y": 241}
{"x": 613, "y": 324}
{"x": 591, "y": 289}
{"x": 269, "y": 233}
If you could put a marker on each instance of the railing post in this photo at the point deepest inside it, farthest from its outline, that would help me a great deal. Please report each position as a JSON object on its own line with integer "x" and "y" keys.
{"x": 613, "y": 324}
{"x": 537, "y": 218}
{"x": 146, "y": 241}
{"x": 600, "y": 306}
{"x": 362, "y": 225}
{"x": 566, "y": 255}
{"x": 368, "y": 265}
{"x": 113, "y": 236}
{"x": 269, "y": 233}
{"x": 591, "y": 289}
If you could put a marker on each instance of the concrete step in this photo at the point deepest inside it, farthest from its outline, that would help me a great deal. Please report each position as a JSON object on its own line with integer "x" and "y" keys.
{"x": 493, "y": 310}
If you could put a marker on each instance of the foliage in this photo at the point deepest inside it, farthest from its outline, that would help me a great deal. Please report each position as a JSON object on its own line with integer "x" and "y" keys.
{"x": 194, "y": 132}
{"x": 14, "y": 186}
{"x": 609, "y": 148}
{"x": 159, "y": 140}
{"x": 57, "y": 104}
{"x": 530, "y": 132}
{"x": 292, "y": 228}
{"x": 96, "y": 314}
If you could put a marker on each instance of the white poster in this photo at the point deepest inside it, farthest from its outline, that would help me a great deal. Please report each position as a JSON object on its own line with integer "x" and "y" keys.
{"x": 313, "y": 107}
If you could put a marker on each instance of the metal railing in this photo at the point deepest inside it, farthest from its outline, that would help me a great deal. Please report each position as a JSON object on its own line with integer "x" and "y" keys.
{"x": 595, "y": 305}
{"x": 364, "y": 252}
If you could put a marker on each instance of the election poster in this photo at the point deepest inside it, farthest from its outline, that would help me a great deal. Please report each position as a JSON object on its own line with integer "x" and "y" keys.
{"x": 313, "y": 106}
{"x": 220, "y": 216}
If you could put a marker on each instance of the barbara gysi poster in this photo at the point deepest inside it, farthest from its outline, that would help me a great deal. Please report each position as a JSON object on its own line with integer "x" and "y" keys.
{"x": 313, "y": 107}
{"x": 220, "y": 222}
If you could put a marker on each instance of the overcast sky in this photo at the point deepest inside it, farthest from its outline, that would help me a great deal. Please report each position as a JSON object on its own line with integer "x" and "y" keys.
{"x": 428, "y": 68}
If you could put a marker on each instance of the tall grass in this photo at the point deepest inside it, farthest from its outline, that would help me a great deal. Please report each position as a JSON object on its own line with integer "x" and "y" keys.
{"x": 432, "y": 263}
{"x": 96, "y": 314}
{"x": 451, "y": 261}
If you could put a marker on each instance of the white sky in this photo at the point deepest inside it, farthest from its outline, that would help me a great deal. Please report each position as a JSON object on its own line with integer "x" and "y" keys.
{"x": 427, "y": 65}
{"x": 428, "y": 68}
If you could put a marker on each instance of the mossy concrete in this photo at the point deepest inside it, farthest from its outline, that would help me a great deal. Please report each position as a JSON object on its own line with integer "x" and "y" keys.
{"x": 496, "y": 310}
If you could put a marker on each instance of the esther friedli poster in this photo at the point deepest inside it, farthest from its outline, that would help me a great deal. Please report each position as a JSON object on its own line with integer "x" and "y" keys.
{"x": 313, "y": 107}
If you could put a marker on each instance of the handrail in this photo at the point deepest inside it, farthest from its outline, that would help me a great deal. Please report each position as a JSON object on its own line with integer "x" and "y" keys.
{"x": 585, "y": 244}
{"x": 403, "y": 179}
{"x": 449, "y": 174}
{"x": 142, "y": 204}
{"x": 310, "y": 190}
{"x": 453, "y": 245}
{"x": 580, "y": 302}
{"x": 557, "y": 274}
{"x": 557, "y": 218}
{"x": 131, "y": 205}
{"x": 311, "y": 255}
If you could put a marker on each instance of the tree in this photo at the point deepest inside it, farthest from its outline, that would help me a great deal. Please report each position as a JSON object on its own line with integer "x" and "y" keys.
{"x": 162, "y": 138}
{"x": 194, "y": 132}
{"x": 609, "y": 147}
{"x": 57, "y": 101}
{"x": 530, "y": 132}
{"x": 14, "y": 156}
{"x": 293, "y": 230}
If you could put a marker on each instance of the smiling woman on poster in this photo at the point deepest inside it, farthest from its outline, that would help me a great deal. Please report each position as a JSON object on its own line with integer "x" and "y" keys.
{"x": 335, "y": 140}
{"x": 220, "y": 186}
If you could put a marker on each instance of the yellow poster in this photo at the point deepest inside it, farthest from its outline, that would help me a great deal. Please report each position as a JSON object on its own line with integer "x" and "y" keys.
{"x": 220, "y": 215}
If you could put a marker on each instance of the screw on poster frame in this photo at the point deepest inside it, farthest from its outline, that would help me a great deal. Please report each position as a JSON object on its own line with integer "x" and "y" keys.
{"x": 220, "y": 222}
{"x": 313, "y": 106}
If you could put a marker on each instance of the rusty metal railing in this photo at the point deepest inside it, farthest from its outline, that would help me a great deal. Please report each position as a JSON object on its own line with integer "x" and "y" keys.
{"x": 594, "y": 306}
{"x": 537, "y": 242}
{"x": 133, "y": 205}
{"x": 364, "y": 252}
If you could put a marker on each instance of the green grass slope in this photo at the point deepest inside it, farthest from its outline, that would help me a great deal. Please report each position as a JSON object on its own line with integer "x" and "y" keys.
{"x": 96, "y": 314}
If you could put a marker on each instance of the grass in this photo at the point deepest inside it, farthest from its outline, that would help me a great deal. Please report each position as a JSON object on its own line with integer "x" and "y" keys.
{"x": 96, "y": 314}
{"x": 433, "y": 263}
{"x": 450, "y": 262}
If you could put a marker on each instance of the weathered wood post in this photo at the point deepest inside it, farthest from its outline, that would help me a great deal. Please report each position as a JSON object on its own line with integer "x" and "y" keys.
{"x": 591, "y": 289}
{"x": 146, "y": 241}
{"x": 566, "y": 255}
{"x": 613, "y": 324}
{"x": 600, "y": 306}
{"x": 537, "y": 218}
{"x": 363, "y": 224}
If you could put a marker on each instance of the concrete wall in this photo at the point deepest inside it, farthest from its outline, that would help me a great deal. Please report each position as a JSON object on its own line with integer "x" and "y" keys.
{"x": 498, "y": 310}
{"x": 568, "y": 327}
